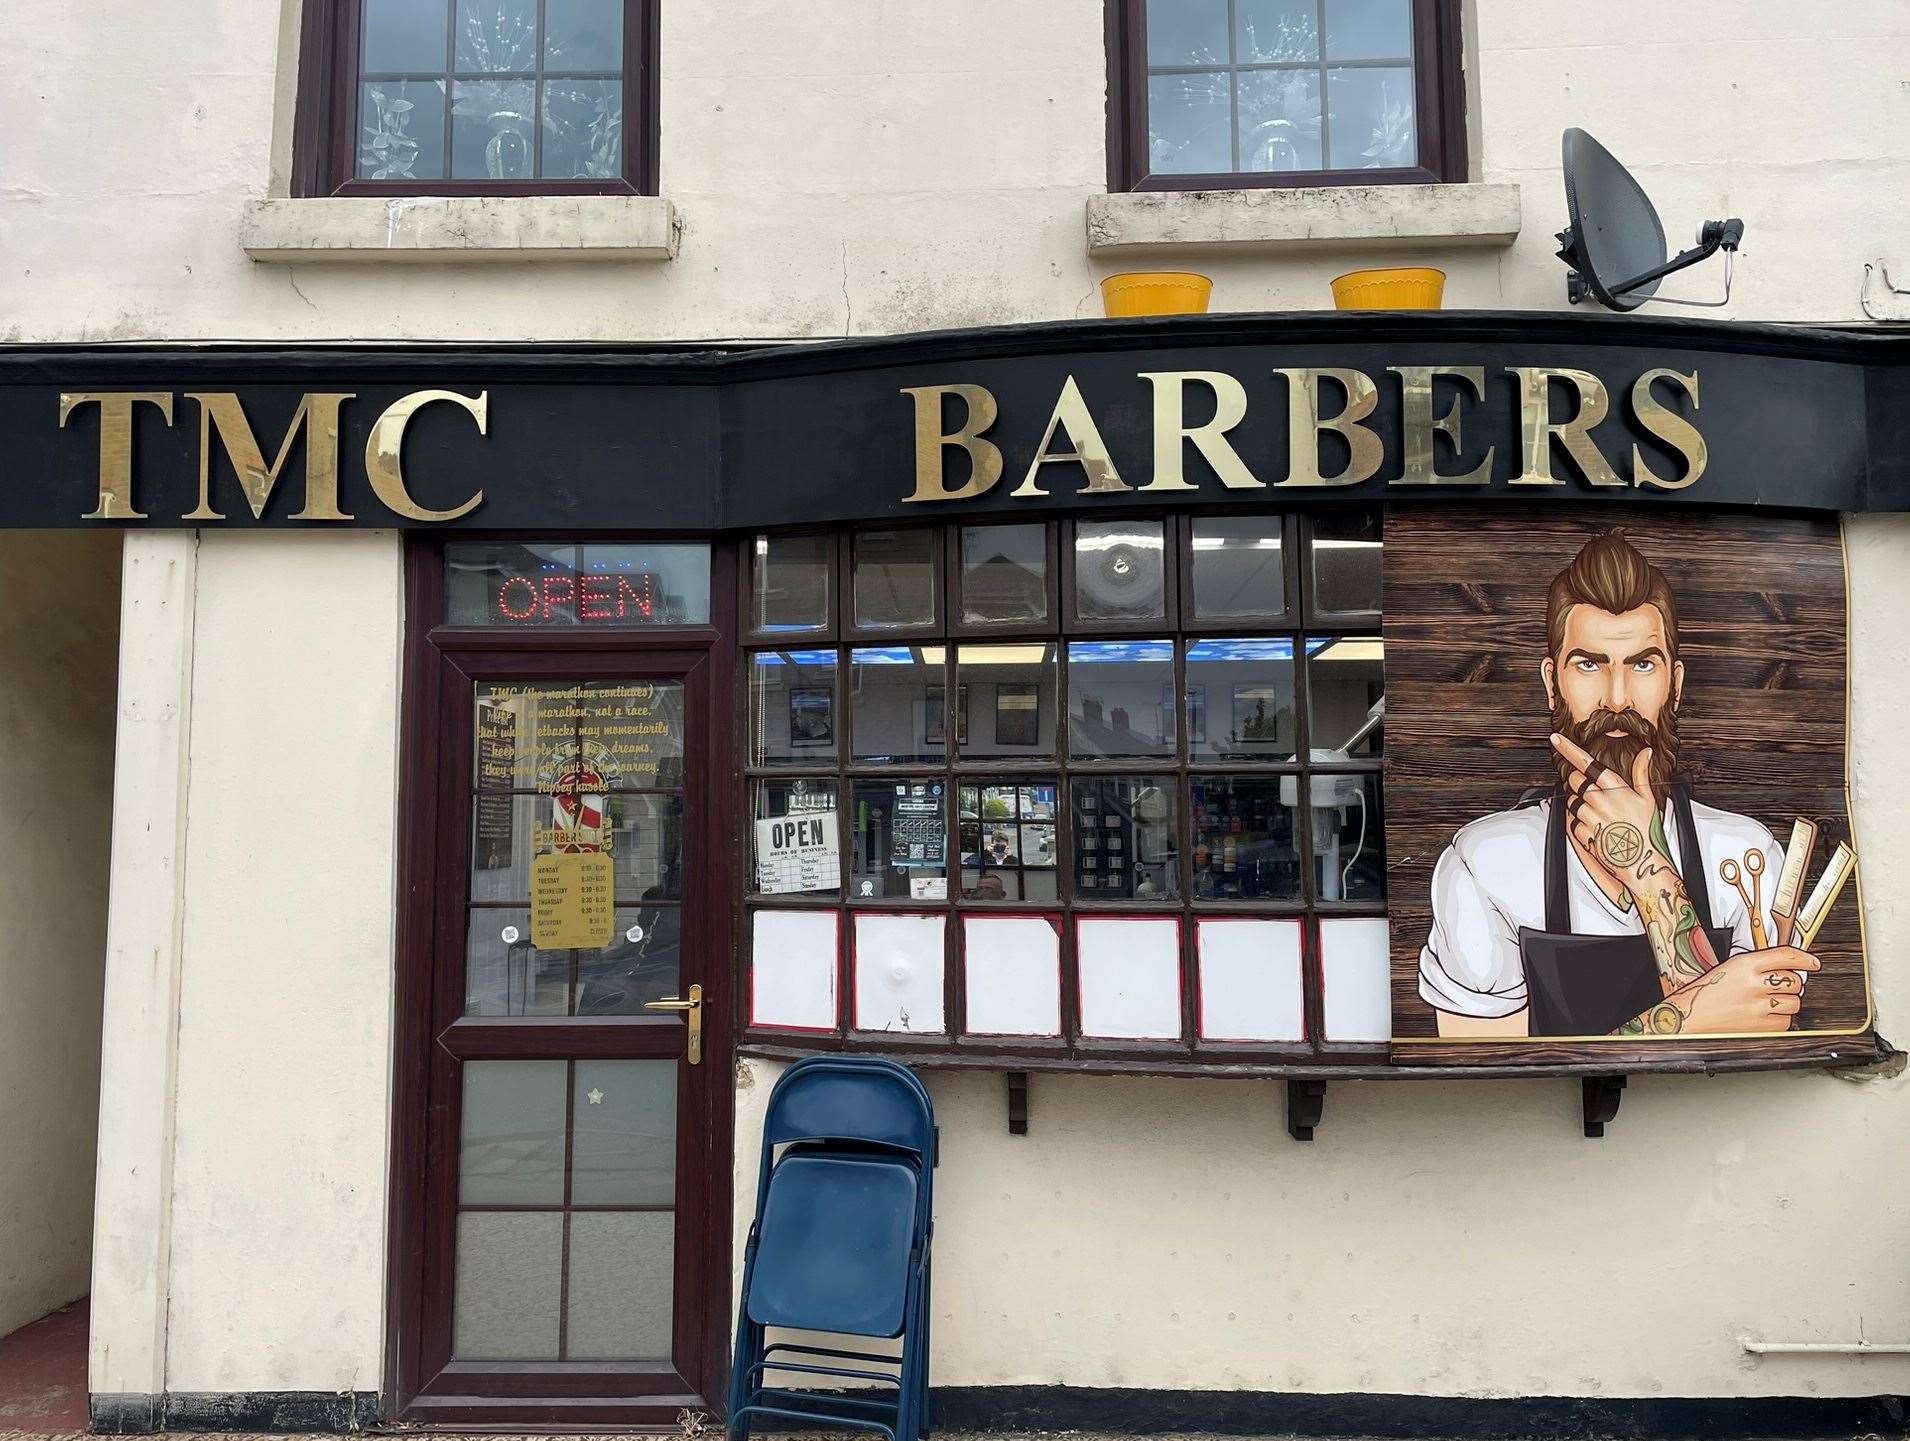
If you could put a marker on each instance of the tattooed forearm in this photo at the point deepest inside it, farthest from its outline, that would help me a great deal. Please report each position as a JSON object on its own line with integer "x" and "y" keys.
{"x": 1668, "y": 1017}
{"x": 1678, "y": 943}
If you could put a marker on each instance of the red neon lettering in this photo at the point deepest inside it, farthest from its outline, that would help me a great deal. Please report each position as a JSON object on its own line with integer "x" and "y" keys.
{"x": 641, "y": 599}
{"x": 553, "y": 596}
{"x": 504, "y": 605}
{"x": 595, "y": 606}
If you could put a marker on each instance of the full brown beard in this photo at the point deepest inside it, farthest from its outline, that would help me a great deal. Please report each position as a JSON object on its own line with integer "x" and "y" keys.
{"x": 1619, "y": 751}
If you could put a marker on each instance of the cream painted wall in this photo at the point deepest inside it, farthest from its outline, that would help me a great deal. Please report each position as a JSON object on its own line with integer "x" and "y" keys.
{"x": 59, "y": 633}
{"x": 914, "y": 166}
{"x": 278, "y": 1188}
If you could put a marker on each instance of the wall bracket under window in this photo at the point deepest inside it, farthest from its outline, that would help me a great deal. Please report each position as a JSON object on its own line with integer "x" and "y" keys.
{"x": 1017, "y": 1103}
{"x": 1306, "y": 1099}
{"x": 1601, "y": 1097}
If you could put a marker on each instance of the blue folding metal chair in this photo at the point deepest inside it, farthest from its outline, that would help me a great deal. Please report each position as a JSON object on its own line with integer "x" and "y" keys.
{"x": 840, "y": 1244}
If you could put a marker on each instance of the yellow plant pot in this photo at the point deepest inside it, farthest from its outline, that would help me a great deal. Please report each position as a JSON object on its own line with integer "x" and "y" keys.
{"x": 1156, "y": 292}
{"x": 1399, "y": 288}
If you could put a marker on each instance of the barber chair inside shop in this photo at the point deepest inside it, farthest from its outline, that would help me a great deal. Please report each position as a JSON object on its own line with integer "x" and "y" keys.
{"x": 839, "y": 1248}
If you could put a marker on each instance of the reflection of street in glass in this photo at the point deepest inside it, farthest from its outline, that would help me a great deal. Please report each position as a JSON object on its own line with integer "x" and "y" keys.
{"x": 1000, "y": 844}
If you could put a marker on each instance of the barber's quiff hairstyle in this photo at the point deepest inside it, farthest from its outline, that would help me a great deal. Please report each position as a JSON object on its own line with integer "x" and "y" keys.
{"x": 1608, "y": 572}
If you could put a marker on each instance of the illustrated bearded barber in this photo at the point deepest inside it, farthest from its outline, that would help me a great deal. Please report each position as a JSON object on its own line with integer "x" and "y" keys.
{"x": 1589, "y": 910}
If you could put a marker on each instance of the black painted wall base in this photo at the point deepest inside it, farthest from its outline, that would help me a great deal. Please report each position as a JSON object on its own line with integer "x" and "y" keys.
{"x": 1127, "y": 1411}
{"x": 1420, "y": 1418}
{"x": 331, "y": 1411}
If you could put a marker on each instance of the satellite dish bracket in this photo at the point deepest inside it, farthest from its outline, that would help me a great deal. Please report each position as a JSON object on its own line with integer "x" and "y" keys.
{"x": 1613, "y": 244}
{"x": 1715, "y": 235}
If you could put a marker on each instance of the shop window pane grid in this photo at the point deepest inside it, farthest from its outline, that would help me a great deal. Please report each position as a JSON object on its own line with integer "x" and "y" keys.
{"x": 1225, "y": 740}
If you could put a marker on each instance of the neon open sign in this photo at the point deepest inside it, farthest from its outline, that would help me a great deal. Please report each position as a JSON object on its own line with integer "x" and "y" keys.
{"x": 608, "y": 598}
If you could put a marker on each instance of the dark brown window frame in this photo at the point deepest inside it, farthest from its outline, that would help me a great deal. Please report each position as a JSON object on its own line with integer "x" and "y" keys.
{"x": 1299, "y": 619}
{"x": 1439, "y": 96}
{"x": 324, "y": 135}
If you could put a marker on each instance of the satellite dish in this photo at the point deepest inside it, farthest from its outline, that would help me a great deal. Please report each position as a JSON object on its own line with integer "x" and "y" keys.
{"x": 1615, "y": 243}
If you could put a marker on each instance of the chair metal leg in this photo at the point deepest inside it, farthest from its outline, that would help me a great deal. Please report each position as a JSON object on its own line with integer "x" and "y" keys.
{"x": 749, "y": 1342}
{"x": 923, "y": 1321}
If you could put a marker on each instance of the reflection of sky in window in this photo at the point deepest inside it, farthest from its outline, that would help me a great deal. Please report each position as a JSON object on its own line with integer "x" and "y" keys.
{"x": 796, "y": 657}
{"x": 1089, "y": 652}
{"x": 1279, "y": 648}
{"x": 884, "y": 655}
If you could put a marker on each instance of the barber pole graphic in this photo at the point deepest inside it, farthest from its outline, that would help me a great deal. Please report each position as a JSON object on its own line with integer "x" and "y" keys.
{"x": 578, "y": 784}
{"x": 577, "y": 812}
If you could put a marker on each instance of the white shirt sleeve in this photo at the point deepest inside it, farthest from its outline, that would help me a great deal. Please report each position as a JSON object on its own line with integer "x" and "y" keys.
{"x": 1470, "y": 963}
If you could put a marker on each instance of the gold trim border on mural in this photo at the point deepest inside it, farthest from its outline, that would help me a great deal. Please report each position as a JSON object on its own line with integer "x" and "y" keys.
{"x": 1702, "y": 1038}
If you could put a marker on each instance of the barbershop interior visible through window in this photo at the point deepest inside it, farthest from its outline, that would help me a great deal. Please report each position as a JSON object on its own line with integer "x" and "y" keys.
{"x": 1128, "y": 716}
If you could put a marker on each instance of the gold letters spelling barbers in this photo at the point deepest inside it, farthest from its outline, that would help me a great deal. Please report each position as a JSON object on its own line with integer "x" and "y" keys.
{"x": 1305, "y": 423}
{"x": 221, "y": 414}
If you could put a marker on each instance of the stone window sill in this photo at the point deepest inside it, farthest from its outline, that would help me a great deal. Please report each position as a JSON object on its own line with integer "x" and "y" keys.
{"x": 1328, "y": 217}
{"x": 439, "y": 228}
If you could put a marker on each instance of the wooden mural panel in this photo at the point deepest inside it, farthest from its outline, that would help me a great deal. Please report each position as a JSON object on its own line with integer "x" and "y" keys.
{"x": 1760, "y": 733}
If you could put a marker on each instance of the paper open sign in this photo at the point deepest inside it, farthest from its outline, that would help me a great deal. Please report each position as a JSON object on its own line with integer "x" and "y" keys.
{"x": 798, "y": 853}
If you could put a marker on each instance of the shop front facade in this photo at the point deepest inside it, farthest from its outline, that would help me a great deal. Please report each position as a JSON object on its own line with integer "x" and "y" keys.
{"x": 1380, "y": 832}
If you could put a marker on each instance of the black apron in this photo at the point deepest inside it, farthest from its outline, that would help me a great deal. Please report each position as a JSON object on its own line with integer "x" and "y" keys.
{"x": 1591, "y": 985}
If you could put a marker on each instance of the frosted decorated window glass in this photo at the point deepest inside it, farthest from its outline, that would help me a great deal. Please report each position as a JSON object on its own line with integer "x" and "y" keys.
{"x": 1260, "y": 86}
{"x": 490, "y": 90}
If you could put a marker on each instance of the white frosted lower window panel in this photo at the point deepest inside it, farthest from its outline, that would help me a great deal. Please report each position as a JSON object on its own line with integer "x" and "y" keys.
{"x": 508, "y": 1279}
{"x": 1130, "y": 977}
{"x": 622, "y": 1265}
{"x": 1250, "y": 980}
{"x": 1356, "y": 979}
{"x": 793, "y": 970}
{"x": 1013, "y": 966}
{"x": 899, "y": 971}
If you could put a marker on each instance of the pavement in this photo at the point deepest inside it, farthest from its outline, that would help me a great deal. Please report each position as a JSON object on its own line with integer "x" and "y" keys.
{"x": 43, "y": 1376}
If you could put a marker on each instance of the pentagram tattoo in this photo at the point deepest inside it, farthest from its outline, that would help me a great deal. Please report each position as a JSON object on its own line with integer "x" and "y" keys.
{"x": 1621, "y": 843}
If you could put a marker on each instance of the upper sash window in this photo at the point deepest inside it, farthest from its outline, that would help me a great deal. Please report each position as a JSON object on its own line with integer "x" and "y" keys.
{"x": 1217, "y": 94}
{"x": 445, "y": 97}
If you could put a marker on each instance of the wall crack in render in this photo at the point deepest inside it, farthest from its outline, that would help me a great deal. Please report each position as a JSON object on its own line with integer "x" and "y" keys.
{"x": 292, "y": 279}
{"x": 848, "y": 305}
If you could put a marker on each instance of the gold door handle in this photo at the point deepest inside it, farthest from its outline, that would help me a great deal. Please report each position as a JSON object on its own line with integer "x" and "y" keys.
{"x": 692, "y": 1009}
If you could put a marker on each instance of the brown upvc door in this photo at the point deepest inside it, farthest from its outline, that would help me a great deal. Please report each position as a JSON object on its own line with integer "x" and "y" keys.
{"x": 561, "y": 1202}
